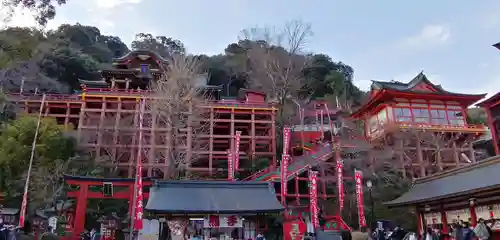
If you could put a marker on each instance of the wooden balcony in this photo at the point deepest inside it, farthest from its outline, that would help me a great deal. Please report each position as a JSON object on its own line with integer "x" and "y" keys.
{"x": 477, "y": 129}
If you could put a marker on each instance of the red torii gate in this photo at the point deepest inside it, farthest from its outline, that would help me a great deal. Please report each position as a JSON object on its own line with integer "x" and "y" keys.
{"x": 83, "y": 194}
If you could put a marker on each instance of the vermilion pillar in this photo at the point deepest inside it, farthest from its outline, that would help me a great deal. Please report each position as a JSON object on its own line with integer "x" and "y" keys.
{"x": 81, "y": 206}
{"x": 420, "y": 223}
{"x": 473, "y": 215}
{"x": 491, "y": 125}
{"x": 444, "y": 221}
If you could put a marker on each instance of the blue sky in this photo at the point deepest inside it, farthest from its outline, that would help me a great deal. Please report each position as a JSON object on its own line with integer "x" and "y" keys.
{"x": 383, "y": 40}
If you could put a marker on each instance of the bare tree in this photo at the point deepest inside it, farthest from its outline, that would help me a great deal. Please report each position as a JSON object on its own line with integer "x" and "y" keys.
{"x": 408, "y": 152}
{"x": 177, "y": 104}
{"x": 276, "y": 62}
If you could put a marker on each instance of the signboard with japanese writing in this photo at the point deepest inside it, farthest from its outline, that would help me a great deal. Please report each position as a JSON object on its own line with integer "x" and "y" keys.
{"x": 483, "y": 212}
{"x": 230, "y": 165}
{"x": 237, "y": 150}
{"x": 284, "y": 177}
{"x": 222, "y": 221}
{"x": 286, "y": 139}
{"x": 294, "y": 230}
{"x": 359, "y": 197}
{"x": 432, "y": 218}
{"x": 313, "y": 196}
{"x": 340, "y": 182}
{"x": 455, "y": 215}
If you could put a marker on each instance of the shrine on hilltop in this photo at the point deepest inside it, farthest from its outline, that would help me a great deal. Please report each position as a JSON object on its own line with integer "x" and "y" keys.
{"x": 424, "y": 123}
{"x": 105, "y": 114}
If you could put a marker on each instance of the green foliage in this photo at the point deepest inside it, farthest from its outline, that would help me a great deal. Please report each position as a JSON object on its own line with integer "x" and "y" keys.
{"x": 476, "y": 116}
{"x": 162, "y": 45}
{"x": 45, "y": 9}
{"x": 53, "y": 154}
{"x": 6, "y": 109}
{"x": 66, "y": 54}
{"x": 331, "y": 80}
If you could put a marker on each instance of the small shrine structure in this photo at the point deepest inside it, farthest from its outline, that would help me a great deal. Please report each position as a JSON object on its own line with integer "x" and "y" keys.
{"x": 464, "y": 194}
{"x": 492, "y": 108}
{"x": 424, "y": 123}
{"x": 214, "y": 208}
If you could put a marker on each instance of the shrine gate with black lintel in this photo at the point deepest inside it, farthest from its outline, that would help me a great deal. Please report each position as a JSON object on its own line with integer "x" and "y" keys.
{"x": 93, "y": 188}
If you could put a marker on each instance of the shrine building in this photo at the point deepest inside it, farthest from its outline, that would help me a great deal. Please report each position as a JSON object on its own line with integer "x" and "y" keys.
{"x": 492, "y": 107}
{"x": 425, "y": 123}
{"x": 464, "y": 194}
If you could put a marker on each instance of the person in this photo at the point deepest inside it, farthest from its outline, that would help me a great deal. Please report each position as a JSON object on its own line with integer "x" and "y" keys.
{"x": 430, "y": 234}
{"x": 481, "y": 230}
{"x": 489, "y": 224}
{"x": 466, "y": 231}
{"x": 457, "y": 232}
{"x": 398, "y": 233}
{"x": 260, "y": 237}
{"x": 49, "y": 235}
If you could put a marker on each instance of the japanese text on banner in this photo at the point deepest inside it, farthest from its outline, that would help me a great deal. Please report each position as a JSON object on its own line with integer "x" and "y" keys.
{"x": 313, "y": 178}
{"x": 230, "y": 167}
{"x": 284, "y": 177}
{"x": 340, "y": 183}
{"x": 359, "y": 197}
{"x": 237, "y": 150}
{"x": 286, "y": 139}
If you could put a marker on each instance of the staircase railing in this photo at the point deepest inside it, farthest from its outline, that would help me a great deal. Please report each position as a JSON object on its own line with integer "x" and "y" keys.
{"x": 257, "y": 174}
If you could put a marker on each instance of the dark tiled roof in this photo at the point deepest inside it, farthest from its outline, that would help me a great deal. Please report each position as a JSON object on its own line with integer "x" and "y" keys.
{"x": 212, "y": 197}
{"x": 98, "y": 179}
{"x": 93, "y": 82}
{"x": 492, "y": 99}
{"x": 140, "y": 52}
{"x": 457, "y": 182}
{"x": 406, "y": 86}
{"x": 9, "y": 211}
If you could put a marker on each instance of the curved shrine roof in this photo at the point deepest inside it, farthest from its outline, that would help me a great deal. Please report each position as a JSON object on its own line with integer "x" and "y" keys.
{"x": 462, "y": 181}
{"x": 493, "y": 100}
{"x": 139, "y": 53}
{"x": 221, "y": 197}
{"x": 418, "y": 88}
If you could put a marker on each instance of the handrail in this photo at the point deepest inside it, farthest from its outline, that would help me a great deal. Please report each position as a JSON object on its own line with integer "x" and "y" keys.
{"x": 257, "y": 174}
{"x": 424, "y": 125}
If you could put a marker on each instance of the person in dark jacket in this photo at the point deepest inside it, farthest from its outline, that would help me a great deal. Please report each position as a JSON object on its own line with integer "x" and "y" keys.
{"x": 467, "y": 232}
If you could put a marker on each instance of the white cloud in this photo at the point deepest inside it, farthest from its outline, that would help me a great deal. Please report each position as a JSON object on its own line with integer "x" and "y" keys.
{"x": 429, "y": 35}
{"x": 108, "y": 4}
{"x": 16, "y": 17}
{"x": 97, "y": 13}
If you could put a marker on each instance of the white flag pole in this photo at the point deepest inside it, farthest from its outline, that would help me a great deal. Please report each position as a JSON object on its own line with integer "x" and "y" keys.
{"x": 142, "y": 106}
{"x": 30, "y": 166}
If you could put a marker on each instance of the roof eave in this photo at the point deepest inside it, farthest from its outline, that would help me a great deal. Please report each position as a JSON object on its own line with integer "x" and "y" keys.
{"x": 395, "y": 203}
{"x": 470, "y": 97}
{"x": 368, "y": 105}
{"x": 486, "y": 102}
{"x": 172, "y": 211}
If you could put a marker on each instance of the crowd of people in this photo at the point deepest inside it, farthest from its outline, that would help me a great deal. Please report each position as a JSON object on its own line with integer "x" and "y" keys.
{"x": 458, "y": 231}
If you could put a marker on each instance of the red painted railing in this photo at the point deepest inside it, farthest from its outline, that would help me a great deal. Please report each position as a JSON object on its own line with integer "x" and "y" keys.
{"x": 257, "y": 174}
{"x": 90, "y": 91}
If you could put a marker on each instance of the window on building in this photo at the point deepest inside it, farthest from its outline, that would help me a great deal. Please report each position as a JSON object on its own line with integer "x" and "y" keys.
{"x": 382, "y": 117}
{"x": 455, "y": 118}
{"x": 310, "y": 120}
{"x": 438, "y": 117}
{"x": 421, "y": 115}
{"x": 373, "y": 124}
{"x": 402, "y": 114}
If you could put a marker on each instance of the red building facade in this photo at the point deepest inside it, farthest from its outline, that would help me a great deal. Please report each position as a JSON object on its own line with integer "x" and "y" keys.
{"x": 467, "y": 194}
{"x": 104, "y": 115}
{"x": 423, "y": 111}
{"x": 492, "y": 108}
